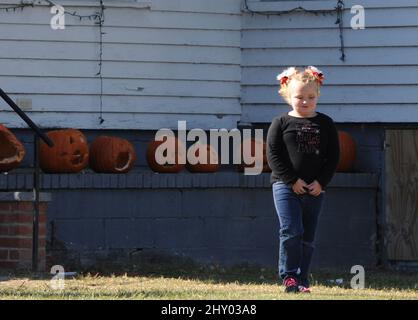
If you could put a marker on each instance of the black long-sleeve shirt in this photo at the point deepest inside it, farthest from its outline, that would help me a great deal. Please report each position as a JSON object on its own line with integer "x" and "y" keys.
{"x": 305, "y": 148}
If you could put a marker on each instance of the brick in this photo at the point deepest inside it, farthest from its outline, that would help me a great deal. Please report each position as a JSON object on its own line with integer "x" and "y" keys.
{"x": 4, "y": 254}
{"x": 4, "y": 230}
{"x": 20, "y": 230}
{"x": 5, "y": 207}
{"x": 16, "y": 242}
{"x": 42, "y": 218}
{"x": 14, "y": 254}
{"x": 9, "y": 264}
{"x": 20, "y": 218}
{"x": 16, "y": 218}
{"x": 23, "y": 206}
{"x": 20, "y": 255}
{"x": 43, "y": 206}
{"x": 42, "y": 242}
{"x": 42, "y": 230}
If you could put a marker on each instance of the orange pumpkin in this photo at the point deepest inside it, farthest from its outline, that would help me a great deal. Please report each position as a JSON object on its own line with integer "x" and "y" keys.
{"x": 70, "y": 153}
{"x": 348, "y": 152}
{"x": 12, "y": 151}
{"x": 111, "y": 155}
{"x": 253, "y": 143}
{"x": 205, "y": 167}
{"x": 175, "y": 154}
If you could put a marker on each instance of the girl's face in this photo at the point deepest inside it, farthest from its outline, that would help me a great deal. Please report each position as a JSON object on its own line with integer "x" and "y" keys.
{"x": 303, "y": 97}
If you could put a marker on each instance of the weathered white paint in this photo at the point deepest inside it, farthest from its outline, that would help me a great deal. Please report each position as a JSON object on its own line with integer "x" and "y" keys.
{"x": 163, "y": 61}
{"x": 377, "y": 81}
{"x": 345, "y": 94}
{"x": 205, "y": 60}
{"x": 121, "y": 87}
{"x": 120, "y": 70}
{"x": 377, "y": 17}
{"x": 144, "y": 121}
{"x": 401, "y": 113}
{"x": 123, "y": 17}
{"x": 375, "y": 75}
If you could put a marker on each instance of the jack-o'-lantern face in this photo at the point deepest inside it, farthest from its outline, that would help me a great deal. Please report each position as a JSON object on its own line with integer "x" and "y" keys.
{"x": 12, "y": 151}
{"x": 70, "y": 153}
{"x": 111, "y": 155}
{"x": 171, "y": 149}
{"x": 210, "y": 162}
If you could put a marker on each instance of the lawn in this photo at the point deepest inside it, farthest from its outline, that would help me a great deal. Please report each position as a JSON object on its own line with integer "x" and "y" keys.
{"x": 206, "y": 282}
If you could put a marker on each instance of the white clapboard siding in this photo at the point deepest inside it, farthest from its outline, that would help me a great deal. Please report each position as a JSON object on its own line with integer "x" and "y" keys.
{"x": 169, "y": 60}
{"x": 331, "y": 56}
{"x": 146, "y": 121}
{"x": 123, "y": 17}
{"x": 119, "y": 52}
{"x": 120, "y": 87}
{"x": 350, "y": 112}
{"x": 329, "y": 38}
{"x": 119, "y": 70}
{"x": 376, "y": 82}
{"x": 347, "y": 94}
{"x": 127, "y": 104}
{"x": 352, "y": 75}
{"x": 376, "y": 17}
{"x": 213, "y": 6}
{"x": 119, "y": 35}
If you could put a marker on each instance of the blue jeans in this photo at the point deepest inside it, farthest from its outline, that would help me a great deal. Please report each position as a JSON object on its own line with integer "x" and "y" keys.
{"x": 298, "y": 217}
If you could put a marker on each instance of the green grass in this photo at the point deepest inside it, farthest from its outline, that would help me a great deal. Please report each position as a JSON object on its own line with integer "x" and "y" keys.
{"x": 205, "y": 282}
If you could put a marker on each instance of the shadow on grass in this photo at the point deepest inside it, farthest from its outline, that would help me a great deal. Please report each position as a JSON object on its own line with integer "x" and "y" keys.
{"x": 150, "y": 264}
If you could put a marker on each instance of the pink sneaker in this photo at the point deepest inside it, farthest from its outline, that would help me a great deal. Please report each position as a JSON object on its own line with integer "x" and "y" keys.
{"x": 304, "y": 289}
{"x": 291, "y": 285}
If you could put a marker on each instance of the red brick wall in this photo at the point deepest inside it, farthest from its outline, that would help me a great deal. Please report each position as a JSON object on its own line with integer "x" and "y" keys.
{"x": 16, "y": 222}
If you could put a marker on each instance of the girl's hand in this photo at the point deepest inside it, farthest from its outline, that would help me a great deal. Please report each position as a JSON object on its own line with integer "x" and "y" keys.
{"x": 300, "y": 187}
{"x": 315, "y": 188}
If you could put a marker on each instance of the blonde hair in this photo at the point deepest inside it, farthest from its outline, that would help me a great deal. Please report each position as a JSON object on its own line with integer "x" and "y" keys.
{"x": 309, "y": 75}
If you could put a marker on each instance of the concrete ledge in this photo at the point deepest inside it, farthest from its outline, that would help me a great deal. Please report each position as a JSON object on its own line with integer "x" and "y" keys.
{"x": 277, "y": 6}
{"x": 24, "y": 196}
{"x": 150, "y": 180}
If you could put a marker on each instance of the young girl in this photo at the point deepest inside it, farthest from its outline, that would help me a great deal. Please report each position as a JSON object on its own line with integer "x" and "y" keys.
{"x": 303, "y": 153}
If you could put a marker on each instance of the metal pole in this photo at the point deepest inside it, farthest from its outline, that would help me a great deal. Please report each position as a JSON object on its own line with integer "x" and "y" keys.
{"x": 36, "y": 183}
{"x": 36, "y": 175}
{"x": 23, "y": 115}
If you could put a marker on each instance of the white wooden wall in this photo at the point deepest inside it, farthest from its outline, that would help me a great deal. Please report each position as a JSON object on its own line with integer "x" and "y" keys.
{"x": 177, "y": 60}
{"x": 376, "y": 83}
{"x": 206, "y": 62}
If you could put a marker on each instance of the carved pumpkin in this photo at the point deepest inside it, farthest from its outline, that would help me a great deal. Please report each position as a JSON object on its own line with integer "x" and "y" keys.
{"x": 175, "y": 154}
{"x": 348, "y": 152}
{"x": 205, "y": 167}
{"x": 111, "y": 155}
{"x": 12, "y": 151}
{"x": 254, "y": 142}
{"x": 70, "y": 153}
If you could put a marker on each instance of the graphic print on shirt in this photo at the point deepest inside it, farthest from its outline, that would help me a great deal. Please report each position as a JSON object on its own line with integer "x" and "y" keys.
{"x": 308, "y": 138}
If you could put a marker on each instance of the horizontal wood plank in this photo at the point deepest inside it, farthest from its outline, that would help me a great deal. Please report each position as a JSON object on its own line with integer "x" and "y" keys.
{"x": 120, "y": 87}
{"x": 120, "y": 120}
{"x": 384, "y": 113}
